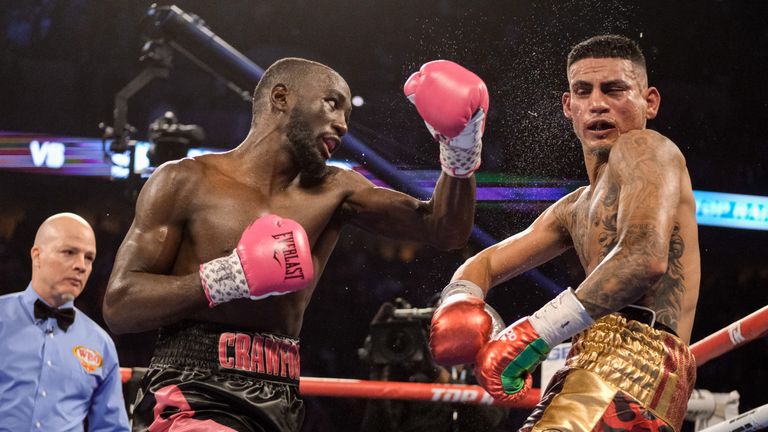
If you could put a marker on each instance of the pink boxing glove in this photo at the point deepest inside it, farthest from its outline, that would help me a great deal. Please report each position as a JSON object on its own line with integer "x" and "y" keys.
{"x": 453, "y": 103}
{"x": 272, "y": 258}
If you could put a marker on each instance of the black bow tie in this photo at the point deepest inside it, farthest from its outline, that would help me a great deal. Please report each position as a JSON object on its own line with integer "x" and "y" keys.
{"x": 64, "y": 317}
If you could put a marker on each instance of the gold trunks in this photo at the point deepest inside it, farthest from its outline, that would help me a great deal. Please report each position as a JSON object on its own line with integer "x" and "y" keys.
{"x": 615, "y": 354}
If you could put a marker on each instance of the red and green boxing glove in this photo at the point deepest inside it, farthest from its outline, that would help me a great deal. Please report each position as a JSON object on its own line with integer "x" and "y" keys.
{"x": 504, "y": 365}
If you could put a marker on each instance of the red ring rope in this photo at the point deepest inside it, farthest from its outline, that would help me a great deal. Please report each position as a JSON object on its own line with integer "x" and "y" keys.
{"x": 470, "y": 394}
{"x": 735, "y": 335}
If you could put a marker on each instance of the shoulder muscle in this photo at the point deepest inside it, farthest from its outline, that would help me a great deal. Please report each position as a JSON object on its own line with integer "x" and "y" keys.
{"x": 645, "y": 152}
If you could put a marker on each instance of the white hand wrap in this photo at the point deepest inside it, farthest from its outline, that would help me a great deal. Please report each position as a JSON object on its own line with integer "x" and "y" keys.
{"x": 561, "y": 318}
{"x": 460, "y": 155}
{"x": 223, "y": 280}
{"x": 461, "y": 287}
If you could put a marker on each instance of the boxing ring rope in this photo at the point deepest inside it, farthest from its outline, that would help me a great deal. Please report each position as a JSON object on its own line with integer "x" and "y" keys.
{"x": 751, "y": 420}
{"x": 468, "y": 394}
{"x": 733, "y": 336}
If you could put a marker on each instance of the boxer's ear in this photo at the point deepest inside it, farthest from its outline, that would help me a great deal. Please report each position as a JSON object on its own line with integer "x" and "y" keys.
{"x": 34, "y": 253}
{"x": 566, "y": 102}
{"x": 653, "y": 101}
{"x": 278, "y": 98}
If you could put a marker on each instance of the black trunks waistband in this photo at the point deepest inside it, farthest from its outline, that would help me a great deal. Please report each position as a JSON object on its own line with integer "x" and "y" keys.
{"x": 214, "y": 347}
{"x": 645, "y": 316}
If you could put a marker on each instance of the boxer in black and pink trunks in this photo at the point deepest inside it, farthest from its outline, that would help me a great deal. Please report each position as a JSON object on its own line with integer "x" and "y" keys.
{"x": 204, "y": 377}
{"x": 263, "y": 220}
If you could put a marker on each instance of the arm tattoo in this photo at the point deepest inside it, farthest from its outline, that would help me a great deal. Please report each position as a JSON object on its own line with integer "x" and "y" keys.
{"x": 611, "y": 195}
{"x": 667, "y": 293}
{"x": 607, "y": 238}
{"x": 566, "y": 216}
{"x": 617, "y": 283}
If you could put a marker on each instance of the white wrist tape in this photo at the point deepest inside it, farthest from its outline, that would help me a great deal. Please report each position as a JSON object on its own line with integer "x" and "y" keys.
{"x": 561, "y": 318}
{"x": 497, "y": 322}
{"x": 461, "y": 287}
{"x": 223, "y": 280}
{"x": 460, "y": 155}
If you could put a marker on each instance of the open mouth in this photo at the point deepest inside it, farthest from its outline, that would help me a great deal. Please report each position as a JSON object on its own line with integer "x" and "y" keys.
{"x": 601, "y": 126}
{"x": 330, "y": 145}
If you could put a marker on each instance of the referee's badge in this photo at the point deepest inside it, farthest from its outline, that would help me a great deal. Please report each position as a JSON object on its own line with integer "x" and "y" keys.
{"x": 88, "y": 358}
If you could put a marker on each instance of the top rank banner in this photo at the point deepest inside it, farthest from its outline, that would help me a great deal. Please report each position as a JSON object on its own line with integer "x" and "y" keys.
{"x": 731, "y": 210}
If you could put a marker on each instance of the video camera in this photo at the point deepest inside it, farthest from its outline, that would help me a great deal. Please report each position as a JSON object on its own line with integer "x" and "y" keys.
{"x": 170, "y": 139}
{"x": 399, "y": 335}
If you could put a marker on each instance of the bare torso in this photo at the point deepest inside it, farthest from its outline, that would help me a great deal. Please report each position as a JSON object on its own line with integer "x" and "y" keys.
{"x": 591, "y": 222}
{"x": 216, "y": 217}
{"x": 195, "y": 210}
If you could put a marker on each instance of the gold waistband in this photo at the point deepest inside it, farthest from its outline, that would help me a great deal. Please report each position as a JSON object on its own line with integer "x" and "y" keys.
{"x": 652, "y": 366}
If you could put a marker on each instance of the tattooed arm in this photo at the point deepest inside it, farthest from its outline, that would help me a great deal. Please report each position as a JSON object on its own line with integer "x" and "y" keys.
{"x": 647, "y": 168}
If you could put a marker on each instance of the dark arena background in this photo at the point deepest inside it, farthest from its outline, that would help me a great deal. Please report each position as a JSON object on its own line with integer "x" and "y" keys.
{"x": 62, "y": 63}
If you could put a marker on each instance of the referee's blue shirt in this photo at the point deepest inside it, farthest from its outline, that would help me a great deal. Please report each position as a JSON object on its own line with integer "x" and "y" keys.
{"x": 51, "y": 380}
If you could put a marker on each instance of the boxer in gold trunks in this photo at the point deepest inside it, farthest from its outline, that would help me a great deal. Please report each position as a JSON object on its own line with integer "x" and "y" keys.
{"x": 634, "y": 230}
